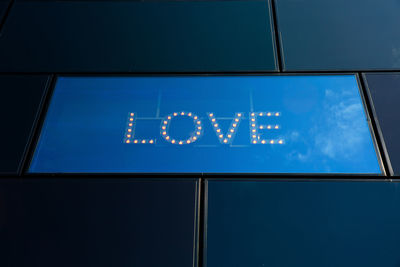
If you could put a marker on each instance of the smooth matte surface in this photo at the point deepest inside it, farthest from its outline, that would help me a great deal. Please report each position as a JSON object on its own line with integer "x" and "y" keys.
{"x": 96, "y": 222}
{"x": 20, "y": 98}
{"x": 385, "y": 93}
{"x": 191, "y": 124}
{"x": 311, "y": 224}
{"x": 3, "y": 7}
{"x": 125, "y": 36}
{"x": 339, "y": 35}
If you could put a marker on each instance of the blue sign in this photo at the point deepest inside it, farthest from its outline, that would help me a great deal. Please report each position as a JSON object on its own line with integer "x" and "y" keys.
{"x": 203, "y": 124}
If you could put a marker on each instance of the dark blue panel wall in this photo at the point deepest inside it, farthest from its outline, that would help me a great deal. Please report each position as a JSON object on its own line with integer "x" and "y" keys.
{"x": 127, "y": 36}
{"x": 97, "y": 222}
{"x": 303, "y": 224}
{"x": 384, "y": 89}
{"x": 20, "y": 98}
{"x": 3, "y": 7}
{"x": 339, "y": 35}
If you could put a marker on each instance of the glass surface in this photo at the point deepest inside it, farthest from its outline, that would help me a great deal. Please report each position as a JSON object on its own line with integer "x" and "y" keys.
{"x": 253, "y": 124}
{"x": 340, "y": 34}
{"x": 3, "y": 7}
{"x": 20, "y": 98}
{"x": 314, "y": 224}
{"x": 137, "y": 36}
{"x": 385, "y": 93}
{"x": 97, "y": 222}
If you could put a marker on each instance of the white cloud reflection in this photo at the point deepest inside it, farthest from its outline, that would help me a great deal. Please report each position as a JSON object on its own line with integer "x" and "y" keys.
{"x": 344, "y": 130}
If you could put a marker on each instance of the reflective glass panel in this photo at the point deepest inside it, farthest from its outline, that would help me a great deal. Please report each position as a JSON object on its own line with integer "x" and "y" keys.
{"x": 340, "y": 34}
{"x": 20, "y": 98}
{"x": 97, "y": 222}
{"x": 313, "y": 224}
{"x": 138, "y": 36}
{"x": 241, "y": 124}
{"x": 384, "y": 89}
{"x": 3, "y": 7}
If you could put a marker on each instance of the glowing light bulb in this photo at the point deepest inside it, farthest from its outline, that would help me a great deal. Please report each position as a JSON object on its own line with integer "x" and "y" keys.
{"x": 261, "y": 127}
{"x": 130, "y": 124}
{"x": 231, "y": 130}
{"x": 190, "y": 114}
{"x": 260, "y": 114}
{"x": 225, "y": 141}
{"x": 213, "y": 120}
{"x": 173, "y": 141}
{"x": 236, "y": 120}
{"x": 234, "y": 125}
{"x": 220, "y": 136}
{"x": 175, "y": 114}
{"x": 165, "y": 122}
{"x": 280, "y": 141}
{"x": 254, "y": 136}
{"x": 169, "y": 117}
{"x": 229, "y": 136}
{"x": 253, "y": 119}
{"x": 188, "y": 141}
{"x": 131, "y": 119}
{"x": 198, "y": 122}
{"x": 182, "y": 113}
{"x": 132, "y": 114}
{"x": 128, "y": 135}
{"x": 151, "y": 141}
{"x": 252, "y": 114}
{"x": 269, "y": 127}
{"x": 194, "y": 138}
{"x": 136, "y": 141}
{"x": 218, "y": 130}
{"x": 254, "y": 142}
{"x": 253, "y": 125}
{"x": 143, "y": 141}
{"x": 211, "y": 115}
{"x": 164, "y": 133}
{"x": 272, "y": 141}
{"x": 216, "y": 125}
{"x": 163, "y": 127}
{"x": 263, "y": 141}
{"x": 199, "y": 128}
{"x": 198, "y": 133}
{"x": 127, "y": 141}
{"x": 129, "y": 130}
{"x": 277, "y": 114}
{"x": 269, "y": 114}
{"x": 239, "y": 114}
{"x": 253, "y": 130}
{"x": 195, "y": 117}
{"x": 167, "y": 137}
{"x": 276, "y": 127}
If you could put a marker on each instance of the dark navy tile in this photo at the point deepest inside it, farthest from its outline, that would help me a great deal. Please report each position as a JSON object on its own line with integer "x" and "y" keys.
{"x": 3, "y": 7}
{"x": 20, "y": 98}
{"x": 339, "y": 35}
{"x": 272, "y": 223}
{"x": 384, "y": 90}
{"x": 151, "y": 36}
{"x": 97, "y": 222}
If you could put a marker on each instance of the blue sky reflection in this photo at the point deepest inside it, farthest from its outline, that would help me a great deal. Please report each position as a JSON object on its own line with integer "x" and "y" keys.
{"x": 247, "y": 124}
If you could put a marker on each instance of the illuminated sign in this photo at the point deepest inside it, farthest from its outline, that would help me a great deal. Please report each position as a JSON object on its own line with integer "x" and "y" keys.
{"x": 195, "y": 124}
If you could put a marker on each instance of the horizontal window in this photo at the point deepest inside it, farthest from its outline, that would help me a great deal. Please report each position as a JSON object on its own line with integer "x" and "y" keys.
{"x": 193, "y": 124}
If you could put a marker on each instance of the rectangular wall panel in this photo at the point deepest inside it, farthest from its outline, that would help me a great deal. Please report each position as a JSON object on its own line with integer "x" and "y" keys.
{"x": 339, "y": 35}
{"x": 98, "y": 222}
{"x": 20, "y": 99}
{"x": 384, "y": 90}
{"x": 285, "y": 224}
{"x": 137, "y": 36}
